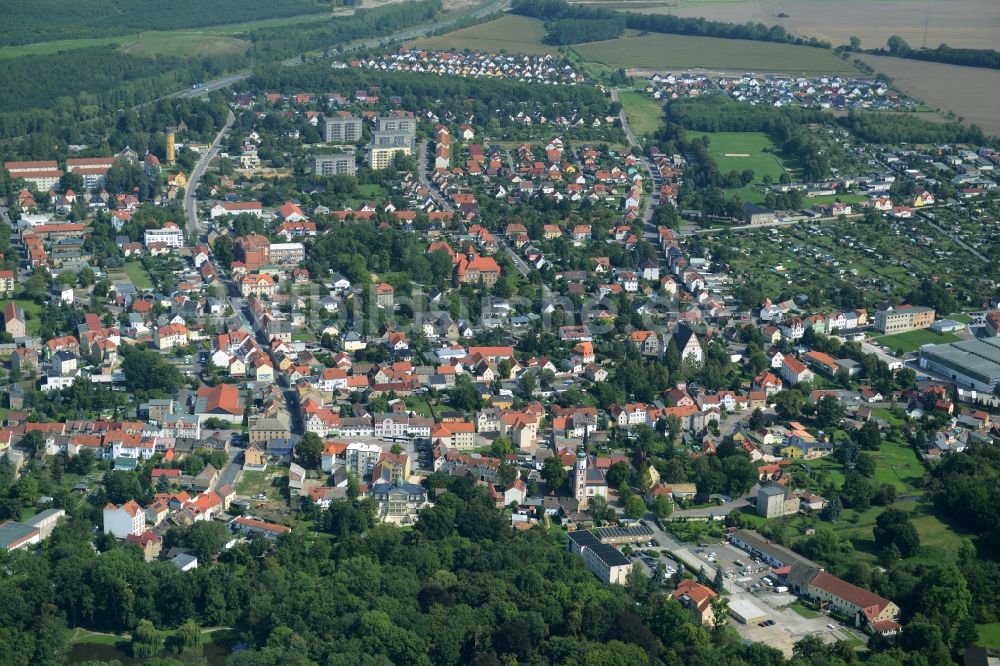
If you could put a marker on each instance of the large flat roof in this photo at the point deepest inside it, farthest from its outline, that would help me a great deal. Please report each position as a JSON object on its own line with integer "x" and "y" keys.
{"x": 976, "y": 358}
{"x": 620, "y": 532}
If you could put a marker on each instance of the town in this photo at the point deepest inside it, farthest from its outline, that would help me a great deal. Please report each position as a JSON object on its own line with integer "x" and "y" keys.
{"x": 427, "y": 295}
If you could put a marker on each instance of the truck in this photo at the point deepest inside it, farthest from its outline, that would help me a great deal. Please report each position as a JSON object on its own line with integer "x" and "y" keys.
{"x": 780, "y": 588}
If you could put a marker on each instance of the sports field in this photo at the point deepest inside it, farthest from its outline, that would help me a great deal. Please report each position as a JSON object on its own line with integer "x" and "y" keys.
{"x": 913, "y": 340}
{"x": 737, "y": 151}
{"x": 643, "y": 112}
{"x": 513, "y": 34}
{"x": 660, "y": 52}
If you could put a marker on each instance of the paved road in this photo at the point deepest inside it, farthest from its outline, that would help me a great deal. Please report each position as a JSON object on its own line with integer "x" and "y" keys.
{"x": 230, "y": 474}
{"x": 679, "y": 550}
{"x": 652, "y": 201}
{"x": 190, "y": 195}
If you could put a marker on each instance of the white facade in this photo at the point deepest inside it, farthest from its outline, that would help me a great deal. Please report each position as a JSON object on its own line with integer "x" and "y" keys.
{"x": 129, "y": 518}
{"x": 171, "y": 235}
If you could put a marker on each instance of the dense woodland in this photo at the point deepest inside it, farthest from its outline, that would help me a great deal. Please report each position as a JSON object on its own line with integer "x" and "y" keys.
{"x": 29, "y": 21}
{"x": 555, "y": 12}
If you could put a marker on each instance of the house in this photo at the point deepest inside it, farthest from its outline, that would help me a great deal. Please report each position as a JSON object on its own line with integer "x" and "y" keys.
{"x": 697, "y": 599}
{"x": 775, "y": 501}
{"x": 14, "y": 320}
{"x": 385, "y": 296}
{"x": 794, "y": 371}
{"x": 222, "y": 401}
{"x": 258, "y": 284}
{"x": 121, "y": 521}
{"x": 399, "y": 503}
{"x": 148, "y": 543}
{"x": 864, "y": 606}
{"x": 251, "y": 527}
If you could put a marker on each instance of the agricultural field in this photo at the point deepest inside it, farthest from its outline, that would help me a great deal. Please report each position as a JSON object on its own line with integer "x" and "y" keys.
{"x": 971, "y": 93}
{"x": 644, "y": 113}
{"x": 661, "y": 52}
{"x": 914, "y": 340}
{"x": 958, "y": 23}
{"x": 737, "y": 151}
{"x": 513, "y": 34}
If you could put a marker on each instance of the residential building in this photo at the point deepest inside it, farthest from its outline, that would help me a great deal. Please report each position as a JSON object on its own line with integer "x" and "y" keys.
{"x": 335, "y": 164}
{"x": 341, "y": 129}
{"x": 222, "y": 402}
{"x": 250, "y": 527}
{"x": 755, "y": 215}
{"x": 129, "y": 518}
{"x": 399, "y": 503}
{"x": 258, "y": 284}
{"x": 775, "y": 502}
{"x": 14, "y": 320}
{"x": 170, "y": 235}
{"x": 697, "y": 599}
{"x": 385, "y": 296}
{"x": 361, "y": 458}
{"x": 606, "y": 561}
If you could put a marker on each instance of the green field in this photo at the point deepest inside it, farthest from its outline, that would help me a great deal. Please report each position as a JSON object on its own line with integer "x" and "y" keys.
{"x": 513, "y": 34}
{"x": 662, "y": 52}
{"x": 898, "y": 465}
{"x": 138, "y": 276}
{"x": 913, "y": 340}
{"x": 989, "y": 635}
{"x": 736, "y": 151}
{"x": 191, "y": 42}
{"x": 807, "y": 613}
{"x": 644, "y": 113}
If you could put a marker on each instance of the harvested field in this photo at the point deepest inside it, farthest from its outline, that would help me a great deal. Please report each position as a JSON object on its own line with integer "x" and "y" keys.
{"x": 660, "y": 52}
{"x": 972, "y": 93}
{"x": 958, "y": 23}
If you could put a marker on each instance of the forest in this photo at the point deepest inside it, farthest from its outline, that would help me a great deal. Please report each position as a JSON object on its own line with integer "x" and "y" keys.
{"x": 902, "y": 128}
{"x": 897, "y": 46}
{"x": 553, "y": 11}
{"x": 30, "y": 21}
{"x": 578, "y": 31}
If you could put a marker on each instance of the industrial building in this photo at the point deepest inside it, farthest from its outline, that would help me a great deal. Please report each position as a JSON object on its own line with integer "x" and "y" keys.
{"x": 746, "y": 612}
{"x": 971, "y": 364}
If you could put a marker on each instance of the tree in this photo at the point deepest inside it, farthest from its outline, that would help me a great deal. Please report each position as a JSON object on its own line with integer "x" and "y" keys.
{"x": 146, "y": 370}
{"x": 855, "y": 43}
{"x": 506, "y": 474}
{"x": 189, "y": 636}
{"x": 831, "y": 512}
{"x": 309, "y": 451}
{"x": 865, "y": 465}
{"x": 146, "y": 640}
{"x": 635, "y": 507}
{"x": 868, "y": 436}
{"x": 554, "y": 474}
{"x": 893, "y": 528}
{"x": 662, "y": 507}
{"x": 206, "y": 538}
{"x": 898, "y": 46}
{"x": 717, "y": 583}
{"x": 942, "y": 595}
{"x": 788, "y": 403}
{"x": 829, "y": 412}
{"x": 756, "y": 419}
{"x": 617, "y": 474}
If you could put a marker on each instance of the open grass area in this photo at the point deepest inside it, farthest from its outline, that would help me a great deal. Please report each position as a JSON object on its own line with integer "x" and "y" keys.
{"x": 913, "y": 340}
{"x": 807, "y": 613}
{"x": 418, "y": 405}
{"x": 255, "y": 483}
{"x": 32, "y": 310}
{"x": 512, "y": 34}
{"x": 989, "y": 635}
{"x": 661, "y": 52}
{"x": 898, "y": 465}
{"x": 886, "y": 415}
{"x": 644, "y": 113}
{"x": 191, "y": 42}
{"x": 737, "y": 151}
{"x": 138, "y": 276}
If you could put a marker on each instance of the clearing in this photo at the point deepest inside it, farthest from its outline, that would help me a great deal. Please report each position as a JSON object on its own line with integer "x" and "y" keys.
{"x": 644, "y": 113}
{"x": 989, "y": 635}
{"x": 913, "y": 340}
{"x": 513, "y": 34}
{"x": 661, "y": 52}
{"x": 138, "y": 276}
{"x": 737, "y": 151}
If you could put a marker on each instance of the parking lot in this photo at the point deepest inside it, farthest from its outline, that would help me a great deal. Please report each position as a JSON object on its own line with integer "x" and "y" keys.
{"x": 789, "y": 626}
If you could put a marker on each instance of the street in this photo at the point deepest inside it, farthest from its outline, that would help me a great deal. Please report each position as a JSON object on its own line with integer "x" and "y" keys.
{"x": 190, "y": 192}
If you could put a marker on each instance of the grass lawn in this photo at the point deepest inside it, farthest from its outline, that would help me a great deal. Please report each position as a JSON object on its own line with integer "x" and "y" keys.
{"x": 989, "y": 635}
{"x": 253, "y": 483}
{"x": 913, "y": 340}
{"x": 737, "y": 151}
{"x": 807, "y": 613}
{"x": 32, "y": 310}
{"x": 961, "y": 318}
{"x": 513, "y": 34}
{"x": 419, "y": 405}
{"x": 663, "y": 52}
{"x": 644, "y": 113}
{"x": 887, "y": 416}
{"x": 830, "y": 198}
{"x": 138, "y": 276}
{"x": 85, "y": 636}
{"x": 898, "y": 465}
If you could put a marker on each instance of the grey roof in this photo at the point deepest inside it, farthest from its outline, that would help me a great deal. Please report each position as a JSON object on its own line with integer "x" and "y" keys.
{"x": 976, "y": 358}
{"x": 183, "y": 560}
{"x": 618, "y": 532}
{"x": 610, "y": 555}
{"x": 12, "y": 532}
{"x": 772, "y": 490}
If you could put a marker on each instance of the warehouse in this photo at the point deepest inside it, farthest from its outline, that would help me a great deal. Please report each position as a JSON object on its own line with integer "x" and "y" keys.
{"x": 971, "y": 364}
{"x": 746, "y": 612}
{"x": 604, "y": 560}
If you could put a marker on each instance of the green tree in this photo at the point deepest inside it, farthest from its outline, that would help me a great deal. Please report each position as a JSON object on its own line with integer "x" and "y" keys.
{"x": 554, "y": 474}
{"x": 189, "y": 636}
{"x": 662, "y": 507}
{"x": 146, "y": 640}
{"x": 309, "y": 451}
{"x": 635, "y": 507}
{"x": 893, "y": 527}
{"x": 788, "y": 403}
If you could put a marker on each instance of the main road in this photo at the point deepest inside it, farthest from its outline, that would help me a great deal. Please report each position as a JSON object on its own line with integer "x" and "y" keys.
{"x": 190, "y": 196}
